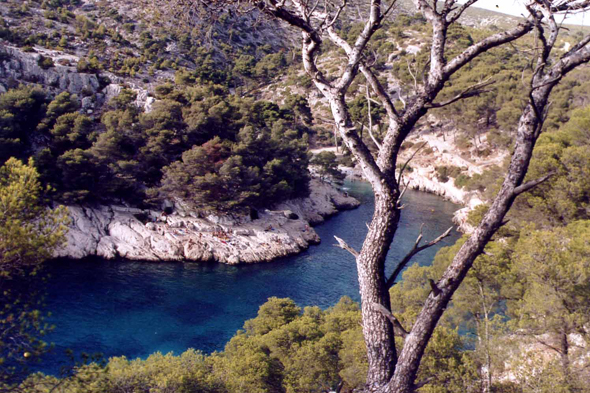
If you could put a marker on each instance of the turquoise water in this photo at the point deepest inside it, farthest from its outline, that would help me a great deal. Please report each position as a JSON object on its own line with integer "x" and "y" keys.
{"x": 136, "y": 308}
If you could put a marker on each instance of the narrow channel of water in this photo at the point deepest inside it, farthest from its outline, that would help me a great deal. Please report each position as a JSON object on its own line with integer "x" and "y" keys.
{"x": 137, "y": 308}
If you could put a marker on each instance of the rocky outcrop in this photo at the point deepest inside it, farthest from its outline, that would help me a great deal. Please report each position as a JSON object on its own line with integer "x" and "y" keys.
{"x": 324, "y": 200}
{"x": 423, "y": 179}
{"x": 143, "y": 99}
{"x": 23, "y": 67}
{"x": 122, "y": 232}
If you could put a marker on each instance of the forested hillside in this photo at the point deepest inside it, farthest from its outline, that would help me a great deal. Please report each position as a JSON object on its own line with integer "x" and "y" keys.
{"x": 152, "y": 89}
{"x": 196, "y": 140}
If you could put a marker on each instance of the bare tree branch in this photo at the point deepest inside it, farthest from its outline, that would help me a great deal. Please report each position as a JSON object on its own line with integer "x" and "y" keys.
{"x": 343, "y": 245}
{"x": 401, "y": 194}
{"x": 471, "y": 91}
{"x": 379, "y": 90}
{"x": 435, "y": 304}
{"x": 371, "y": 118}
{"x": 585, "y": 41}
{"x": 532, "y": 184}
{"x": 412, "y": 74}
{"x": 405, "y": 165}
{"x": 486, "y": 44}
{"x": 569, "y": 5}
{"x": 459, "y": 11}
{"x": 397, "y": 326}
{"x": 415, "y": 250}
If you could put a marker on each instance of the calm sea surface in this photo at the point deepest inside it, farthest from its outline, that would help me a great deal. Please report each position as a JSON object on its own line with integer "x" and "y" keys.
{"x": 137, "y": 308}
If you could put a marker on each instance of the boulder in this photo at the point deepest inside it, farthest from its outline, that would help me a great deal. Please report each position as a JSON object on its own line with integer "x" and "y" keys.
{"x": 290, "y": 215}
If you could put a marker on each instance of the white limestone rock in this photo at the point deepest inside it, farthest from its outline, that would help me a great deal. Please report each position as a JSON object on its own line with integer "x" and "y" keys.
{"x": 117, "y": 232}
{"x": 23, "y": 67}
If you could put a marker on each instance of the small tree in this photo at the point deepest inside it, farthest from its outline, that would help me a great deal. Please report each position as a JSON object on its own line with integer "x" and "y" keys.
{"x": 45, "y": 62}
{"x": 327, "y": 164}
{"x": 29, "y": 232}
{"x": 552, "y": 271}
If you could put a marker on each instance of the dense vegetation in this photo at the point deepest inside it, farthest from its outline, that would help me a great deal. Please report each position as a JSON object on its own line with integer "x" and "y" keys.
{"x": 519, "y": 323}
{"x": 139, "y": 43}
{"x": 283, "y": 349}
{"x": 28, "y": 235}
{"x": 513, "y": 322}
{"x": 201, "y": 144}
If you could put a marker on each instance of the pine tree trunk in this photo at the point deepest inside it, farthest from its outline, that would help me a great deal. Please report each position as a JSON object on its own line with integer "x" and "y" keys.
{"x": 377, "y": 329}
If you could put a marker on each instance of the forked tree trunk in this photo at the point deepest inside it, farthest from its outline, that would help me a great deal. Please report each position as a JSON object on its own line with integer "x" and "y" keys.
{"x": 377, "y": 329}
{"x": 389, "y": 372}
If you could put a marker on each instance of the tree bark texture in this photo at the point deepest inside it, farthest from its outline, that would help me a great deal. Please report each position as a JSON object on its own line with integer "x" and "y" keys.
{"x": 377, "y": 329}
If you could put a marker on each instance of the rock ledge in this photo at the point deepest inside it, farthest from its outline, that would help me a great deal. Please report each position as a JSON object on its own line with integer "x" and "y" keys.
{"x": 122, "y": 232}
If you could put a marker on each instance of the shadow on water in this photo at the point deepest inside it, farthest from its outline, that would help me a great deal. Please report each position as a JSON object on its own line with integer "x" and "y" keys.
{"x": 137, "y": 308}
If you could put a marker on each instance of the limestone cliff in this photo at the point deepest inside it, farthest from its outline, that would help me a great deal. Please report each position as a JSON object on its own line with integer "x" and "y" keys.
{"x": 23, "y": 67}
{"x": 117, "y": 231}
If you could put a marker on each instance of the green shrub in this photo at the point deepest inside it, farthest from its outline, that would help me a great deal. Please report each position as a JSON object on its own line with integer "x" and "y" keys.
{"x": 327, "y": 164}
{"x": 88, "y": 66}
{"x": 45, "y": 62}
{"x": 462, "y": 180}
{"x": 443, "y": 173}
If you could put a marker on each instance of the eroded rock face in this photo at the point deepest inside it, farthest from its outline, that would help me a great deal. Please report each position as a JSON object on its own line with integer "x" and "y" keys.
{"x": 24, "y": 67}
{"x": 424, "y": 179}
{"x": 116, "y": 231}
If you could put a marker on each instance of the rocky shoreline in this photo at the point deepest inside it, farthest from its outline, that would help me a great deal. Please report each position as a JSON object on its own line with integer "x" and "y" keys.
{"x": 121, "y": 232}
{"x": 423, "y": 179}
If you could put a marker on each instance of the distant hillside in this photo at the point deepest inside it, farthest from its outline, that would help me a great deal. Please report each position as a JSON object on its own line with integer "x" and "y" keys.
{"x": 132, "y": 40}
{"x": 489, "y": 19}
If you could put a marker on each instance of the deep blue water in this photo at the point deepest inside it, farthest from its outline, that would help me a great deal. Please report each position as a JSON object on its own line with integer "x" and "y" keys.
{"x": 137, "y": 308}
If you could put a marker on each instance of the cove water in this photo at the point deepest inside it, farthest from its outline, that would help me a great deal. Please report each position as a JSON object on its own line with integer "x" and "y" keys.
{"x": 136, "y": 308}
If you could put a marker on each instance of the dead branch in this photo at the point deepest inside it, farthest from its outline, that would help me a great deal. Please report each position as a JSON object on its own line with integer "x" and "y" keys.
{"x": 397, "y": 326}
{"x": 401, "y": 194}
{"x": 343, "y": 245}
{"x": 412, "y": 74}
{"x": 459, "y": 11}
{"x": 532, "y": 184}
{"x": 471, "y": 91}
{"x": 371, "y": 119}
{"x": 415, "y": 250}
{"x": 403, "y": 168}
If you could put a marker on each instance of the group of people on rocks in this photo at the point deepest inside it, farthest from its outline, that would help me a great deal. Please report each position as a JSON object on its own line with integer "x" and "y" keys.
{"x": 221, "y": 234}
